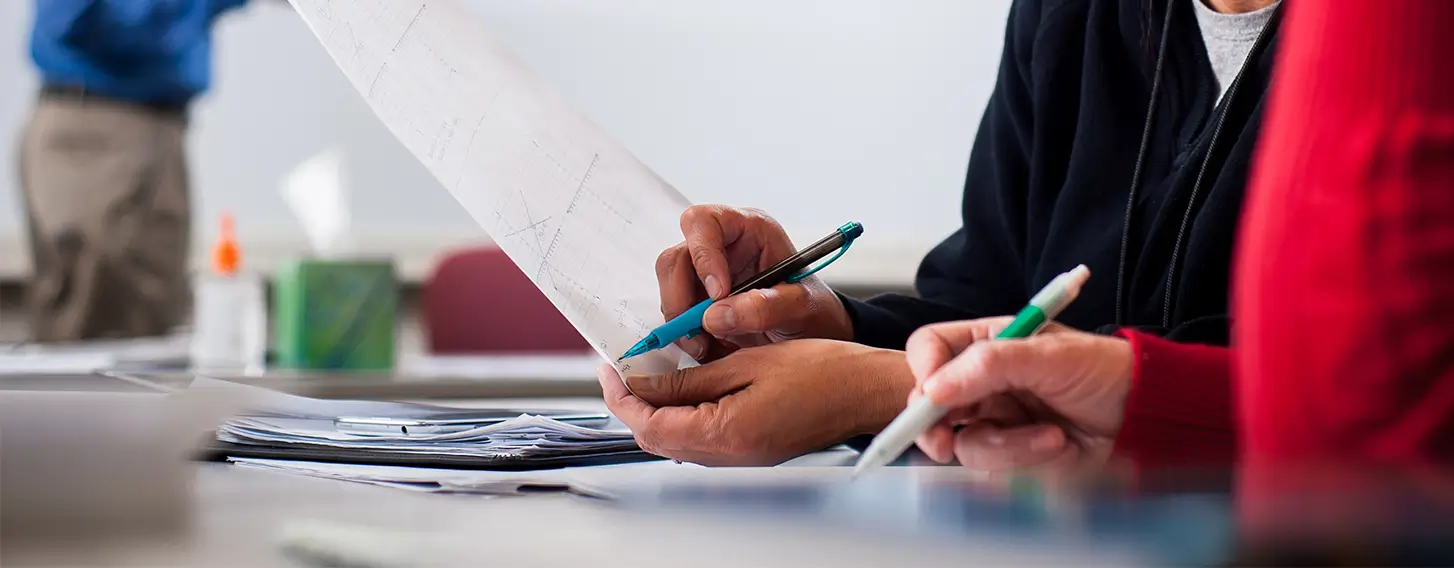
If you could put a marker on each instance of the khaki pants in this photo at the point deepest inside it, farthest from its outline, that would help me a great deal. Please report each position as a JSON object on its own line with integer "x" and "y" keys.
{"x": 105, "y": 187}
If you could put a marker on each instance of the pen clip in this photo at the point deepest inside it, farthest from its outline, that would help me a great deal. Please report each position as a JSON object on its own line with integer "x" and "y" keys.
{"x": 848, "y": 239}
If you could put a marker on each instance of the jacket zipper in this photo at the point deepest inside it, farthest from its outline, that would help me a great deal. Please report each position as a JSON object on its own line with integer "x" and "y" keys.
{"x": 1121, "y": 300}
{"x": 1257, "y": 47}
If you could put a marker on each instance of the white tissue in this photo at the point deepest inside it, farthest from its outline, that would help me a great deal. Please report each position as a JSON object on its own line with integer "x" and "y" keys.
{"x": 318, "y": 196}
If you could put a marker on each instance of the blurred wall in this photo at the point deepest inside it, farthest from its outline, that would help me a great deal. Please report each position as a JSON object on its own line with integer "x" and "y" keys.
{"x": 819, "y": 111}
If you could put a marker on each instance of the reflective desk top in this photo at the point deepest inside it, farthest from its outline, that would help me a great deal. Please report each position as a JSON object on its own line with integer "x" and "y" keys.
{"x": 798, "y": 516}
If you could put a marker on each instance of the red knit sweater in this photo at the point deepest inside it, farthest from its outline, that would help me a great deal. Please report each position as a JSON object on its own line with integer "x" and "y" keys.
{"x": 1180, "y": 408}
{"x": 1344, "y": 297}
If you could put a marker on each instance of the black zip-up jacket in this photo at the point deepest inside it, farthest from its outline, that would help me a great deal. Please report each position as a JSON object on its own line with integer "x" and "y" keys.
{"x": 1051, "y": 170}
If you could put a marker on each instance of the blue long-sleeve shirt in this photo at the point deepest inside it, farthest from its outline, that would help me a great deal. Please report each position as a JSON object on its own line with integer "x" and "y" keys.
{"x": 150, "y": 51}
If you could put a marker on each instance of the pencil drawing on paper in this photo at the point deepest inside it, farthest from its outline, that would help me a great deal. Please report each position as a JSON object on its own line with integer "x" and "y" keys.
{"x": 575, "y": 211}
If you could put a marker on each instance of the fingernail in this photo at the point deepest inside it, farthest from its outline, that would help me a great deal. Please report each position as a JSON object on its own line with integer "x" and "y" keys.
{"x": 931, "y": 388}
{"x": 726, "y": 320}
{"x": 1043, "y": 442}
{"x": 714, "y": 288}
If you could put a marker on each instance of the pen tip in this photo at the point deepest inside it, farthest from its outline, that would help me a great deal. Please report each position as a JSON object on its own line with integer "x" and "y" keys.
{"x": 1080, "y": 274}
{"x": 632, "y": 352}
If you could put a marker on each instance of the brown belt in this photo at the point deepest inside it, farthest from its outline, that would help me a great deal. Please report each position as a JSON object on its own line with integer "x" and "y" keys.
{"x": 81, "y": 94}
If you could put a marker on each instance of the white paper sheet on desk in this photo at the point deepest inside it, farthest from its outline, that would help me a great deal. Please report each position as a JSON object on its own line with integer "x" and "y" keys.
{"x": 284, "y": 404}
{"x": 606, "y": 481}
{"x": 581, "y": 216}
{"x": 598, "y": 481}
{"x": 87, "y": 356}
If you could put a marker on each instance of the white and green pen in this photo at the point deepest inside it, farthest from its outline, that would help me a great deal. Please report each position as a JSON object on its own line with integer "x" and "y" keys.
{"x": 923, "y": 413}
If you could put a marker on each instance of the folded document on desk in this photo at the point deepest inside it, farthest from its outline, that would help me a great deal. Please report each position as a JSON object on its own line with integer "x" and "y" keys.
{"x": 299, "y": 428}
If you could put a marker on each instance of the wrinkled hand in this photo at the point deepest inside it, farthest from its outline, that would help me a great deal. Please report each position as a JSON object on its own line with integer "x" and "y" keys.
{"x": 725, "y": 246}
{"x": 762, "y": 406}
{"x": 1053, "y": 400}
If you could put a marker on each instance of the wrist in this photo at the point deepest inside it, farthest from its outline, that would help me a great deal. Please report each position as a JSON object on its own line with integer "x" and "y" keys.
{"x": 886, "y": 384}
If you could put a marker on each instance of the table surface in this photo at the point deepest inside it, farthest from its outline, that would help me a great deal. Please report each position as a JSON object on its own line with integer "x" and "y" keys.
{"x": 241, "y": 518}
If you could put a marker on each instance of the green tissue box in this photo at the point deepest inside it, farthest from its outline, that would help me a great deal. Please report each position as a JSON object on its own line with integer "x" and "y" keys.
{"x": 335, "y": 315}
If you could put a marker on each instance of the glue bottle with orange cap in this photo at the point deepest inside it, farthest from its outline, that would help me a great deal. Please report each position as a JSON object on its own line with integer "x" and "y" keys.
{"x": 230, "y": 322}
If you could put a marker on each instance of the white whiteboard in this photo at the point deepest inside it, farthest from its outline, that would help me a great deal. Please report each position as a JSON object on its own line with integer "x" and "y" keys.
{"x": 819, "y": 111}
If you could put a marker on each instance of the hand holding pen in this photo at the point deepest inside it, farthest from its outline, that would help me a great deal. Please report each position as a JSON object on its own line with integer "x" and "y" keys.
{"x": 927, "y": 411}
{"x": 995, "y": 395}
{"x": 724, "y": 246}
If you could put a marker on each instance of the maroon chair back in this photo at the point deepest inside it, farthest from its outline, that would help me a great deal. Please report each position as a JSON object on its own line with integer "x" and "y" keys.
{"x": 477, "y": 301}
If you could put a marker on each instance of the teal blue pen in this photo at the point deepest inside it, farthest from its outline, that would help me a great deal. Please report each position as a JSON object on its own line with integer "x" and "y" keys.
{"x": 790, "y": 270}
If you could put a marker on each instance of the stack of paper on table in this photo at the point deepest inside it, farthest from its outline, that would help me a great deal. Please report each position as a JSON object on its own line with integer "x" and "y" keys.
{"x": 525, "y": 436}
{"x": 284, "y": 426}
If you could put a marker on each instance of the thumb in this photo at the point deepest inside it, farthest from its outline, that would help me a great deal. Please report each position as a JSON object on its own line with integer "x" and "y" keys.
{"x": 688, "y": 387}
{"x": 986, "y": 368}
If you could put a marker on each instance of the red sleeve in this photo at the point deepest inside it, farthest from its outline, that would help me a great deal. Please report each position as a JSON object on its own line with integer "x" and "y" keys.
{"x": 1345, "y": 282}
{"x": 1179, "y": 410}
